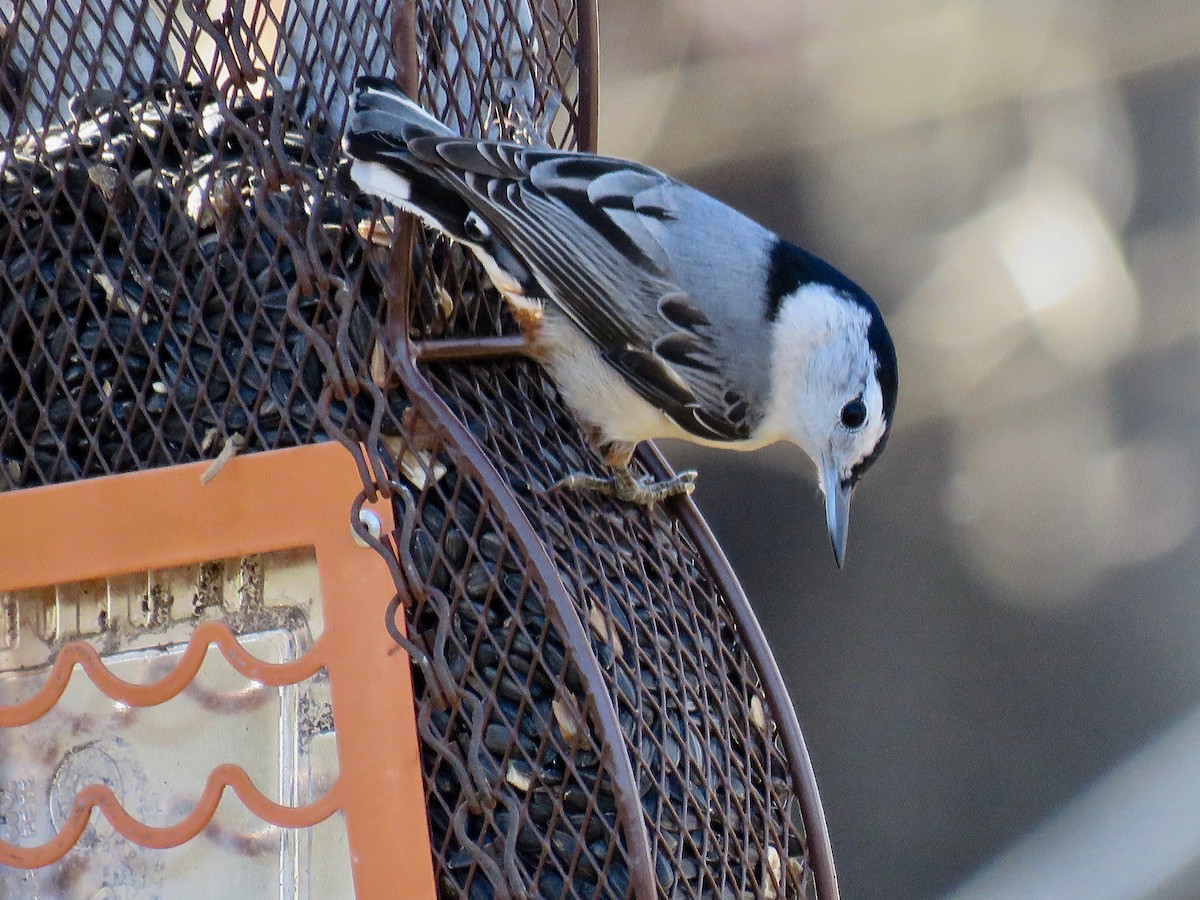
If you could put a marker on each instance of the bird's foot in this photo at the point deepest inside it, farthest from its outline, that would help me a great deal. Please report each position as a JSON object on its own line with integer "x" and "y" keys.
{"x": 624, "y": 486}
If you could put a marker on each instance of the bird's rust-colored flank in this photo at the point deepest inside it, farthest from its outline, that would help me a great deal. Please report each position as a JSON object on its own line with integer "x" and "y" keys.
{"x": 529, "y": 320}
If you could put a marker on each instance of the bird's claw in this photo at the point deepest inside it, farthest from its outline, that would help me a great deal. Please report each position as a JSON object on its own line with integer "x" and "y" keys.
{"x": 622, "y": 485}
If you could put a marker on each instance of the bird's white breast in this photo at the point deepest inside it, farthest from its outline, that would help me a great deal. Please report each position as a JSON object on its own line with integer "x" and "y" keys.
{"x": 592, "y": 389}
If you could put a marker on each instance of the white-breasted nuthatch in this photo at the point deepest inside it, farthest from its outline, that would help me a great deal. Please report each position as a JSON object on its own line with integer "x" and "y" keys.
{"x": 658, "y": 311}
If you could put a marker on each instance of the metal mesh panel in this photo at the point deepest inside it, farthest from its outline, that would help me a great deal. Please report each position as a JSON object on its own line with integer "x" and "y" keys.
{"x": 709, "y": 773}
{"x": 182, "y": 271}
{"x": 520, "y": 802}
{"x": 173, "y": 258}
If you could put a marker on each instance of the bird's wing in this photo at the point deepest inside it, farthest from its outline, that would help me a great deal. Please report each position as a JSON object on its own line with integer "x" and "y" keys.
{"x": 591, "y": 228}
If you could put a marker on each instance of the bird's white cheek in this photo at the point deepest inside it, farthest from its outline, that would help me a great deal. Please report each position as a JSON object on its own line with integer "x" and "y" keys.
{"x": 873, "y": 434}
{"x": 810, "y": 426}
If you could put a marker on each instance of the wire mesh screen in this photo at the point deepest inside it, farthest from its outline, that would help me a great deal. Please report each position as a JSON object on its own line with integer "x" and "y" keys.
{"x": 183, "y": 275}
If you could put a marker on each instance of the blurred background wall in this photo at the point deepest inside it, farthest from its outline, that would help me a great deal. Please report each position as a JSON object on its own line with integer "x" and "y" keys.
{"x": 1001, "y": 692}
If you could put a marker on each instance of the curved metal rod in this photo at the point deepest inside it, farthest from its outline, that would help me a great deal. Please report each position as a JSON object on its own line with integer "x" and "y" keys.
{"x": 804, "y": 780}
{"x": 559, "y": 604}
{"x": 101, "y": 797}
{"x": 170, "y": 685}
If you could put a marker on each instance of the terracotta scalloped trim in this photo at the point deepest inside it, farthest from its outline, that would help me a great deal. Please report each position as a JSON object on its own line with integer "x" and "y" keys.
{"x": 97, "y": 796}
{"x": 131, "y": 694}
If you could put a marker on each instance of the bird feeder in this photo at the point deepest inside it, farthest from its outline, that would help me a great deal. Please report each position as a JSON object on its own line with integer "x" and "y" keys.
{"x": 287, "y": 605}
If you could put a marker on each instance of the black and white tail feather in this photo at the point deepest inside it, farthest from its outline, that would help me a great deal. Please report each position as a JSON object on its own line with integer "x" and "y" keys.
{"x": 674, "y": 315}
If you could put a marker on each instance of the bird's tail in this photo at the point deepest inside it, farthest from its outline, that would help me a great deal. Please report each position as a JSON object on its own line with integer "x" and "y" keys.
{"x": 383, "y": 124}
{"x": 381, "y": 107}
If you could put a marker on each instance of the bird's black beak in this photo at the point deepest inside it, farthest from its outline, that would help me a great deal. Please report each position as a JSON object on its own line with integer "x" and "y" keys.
{"x": 837, "y": 507}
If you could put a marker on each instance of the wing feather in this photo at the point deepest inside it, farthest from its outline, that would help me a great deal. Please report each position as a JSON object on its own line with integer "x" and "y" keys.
{"x": 590, "y": 228}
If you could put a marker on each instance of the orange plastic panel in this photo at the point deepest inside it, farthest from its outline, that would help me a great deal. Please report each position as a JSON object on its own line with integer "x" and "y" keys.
{"x": 300, "y": 497}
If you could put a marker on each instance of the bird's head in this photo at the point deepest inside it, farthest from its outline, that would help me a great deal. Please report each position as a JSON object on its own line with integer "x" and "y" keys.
{"x": 834, "y": 385}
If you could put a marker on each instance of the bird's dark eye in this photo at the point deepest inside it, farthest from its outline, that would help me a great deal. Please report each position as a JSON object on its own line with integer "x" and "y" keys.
{"x": 854, "y": 413}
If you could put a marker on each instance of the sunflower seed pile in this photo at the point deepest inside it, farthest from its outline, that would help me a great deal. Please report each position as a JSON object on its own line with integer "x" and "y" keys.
{"x": 151, "y": 304}
{"x": 712, "y": 780}
{"x": 520, "y": 803}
